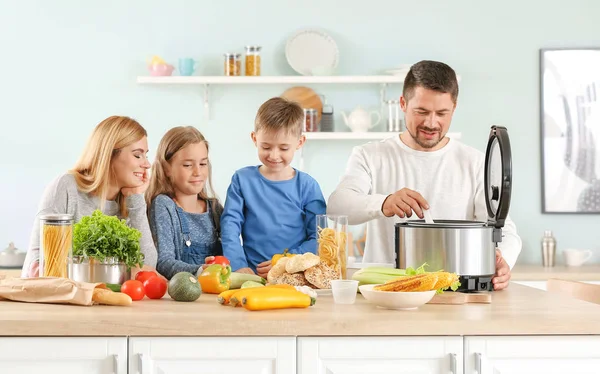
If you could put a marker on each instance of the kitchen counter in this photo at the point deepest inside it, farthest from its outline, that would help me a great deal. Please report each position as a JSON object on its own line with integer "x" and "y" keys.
{"x": 540, "y": 273}
{"x": 10, "y": 272}
{"x": 518, "y": 310}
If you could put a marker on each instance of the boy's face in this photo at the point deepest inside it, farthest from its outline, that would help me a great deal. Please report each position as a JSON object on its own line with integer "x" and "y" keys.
{"x": 276, "y": 148}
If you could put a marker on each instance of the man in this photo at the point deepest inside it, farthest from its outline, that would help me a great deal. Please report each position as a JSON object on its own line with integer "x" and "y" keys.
{"x": 420, "y": 169}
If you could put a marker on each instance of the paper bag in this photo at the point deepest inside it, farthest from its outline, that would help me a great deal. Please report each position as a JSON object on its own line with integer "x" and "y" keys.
{"x": 48, "y": 290}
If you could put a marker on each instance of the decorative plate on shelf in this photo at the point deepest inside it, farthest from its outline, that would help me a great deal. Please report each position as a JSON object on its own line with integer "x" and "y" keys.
{"x": 310, "y": 52}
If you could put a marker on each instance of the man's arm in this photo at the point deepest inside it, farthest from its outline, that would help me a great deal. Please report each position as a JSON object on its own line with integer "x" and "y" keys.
{"x": 353, "y": 197}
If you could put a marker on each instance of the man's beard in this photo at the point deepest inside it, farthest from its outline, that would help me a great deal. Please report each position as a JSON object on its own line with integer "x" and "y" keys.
{"x": 427, "y": 144}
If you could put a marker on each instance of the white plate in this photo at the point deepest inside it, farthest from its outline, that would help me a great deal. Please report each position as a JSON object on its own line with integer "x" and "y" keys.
{"x": 395, "y": 300}
{"x": 324, "y": 292}
{"x": 311, "y": 49}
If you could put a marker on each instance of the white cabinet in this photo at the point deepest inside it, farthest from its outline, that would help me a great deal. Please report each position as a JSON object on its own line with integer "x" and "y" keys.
{"x": 526, "y": 355}
{"x": 181, "y": 355}
{"x": 354, "y": 355}
{"x": 68, "y": 355}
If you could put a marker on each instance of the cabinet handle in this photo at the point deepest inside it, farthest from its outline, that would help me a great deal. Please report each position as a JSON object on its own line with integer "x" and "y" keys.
{"x": 141, "y": 363}
{"x": 452, "y": 363}
{"x": 478, "y": 365}
{"x": 116, "y": 364}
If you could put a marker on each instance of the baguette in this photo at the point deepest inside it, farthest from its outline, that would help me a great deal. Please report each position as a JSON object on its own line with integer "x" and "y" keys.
{"x": 108, "y": 297}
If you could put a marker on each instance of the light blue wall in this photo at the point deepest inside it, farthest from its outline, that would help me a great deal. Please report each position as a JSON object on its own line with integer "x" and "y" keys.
{"x": 65, "y": 66}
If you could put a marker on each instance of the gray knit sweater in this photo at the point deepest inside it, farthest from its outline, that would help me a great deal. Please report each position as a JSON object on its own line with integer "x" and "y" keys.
{"x": 63, "y": 196}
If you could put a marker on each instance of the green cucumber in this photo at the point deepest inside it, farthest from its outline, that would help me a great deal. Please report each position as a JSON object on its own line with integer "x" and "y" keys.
{"x": 252, "y": 284}
{"x": 237, "y": 279}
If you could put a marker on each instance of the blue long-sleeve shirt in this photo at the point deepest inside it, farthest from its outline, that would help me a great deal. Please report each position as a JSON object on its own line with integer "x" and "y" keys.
{"x": 270, "y": 216}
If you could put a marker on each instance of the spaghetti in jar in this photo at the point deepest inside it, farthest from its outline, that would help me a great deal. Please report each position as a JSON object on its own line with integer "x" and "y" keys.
{"x": 332, "y": 239}
{"x": 56, "y": 244}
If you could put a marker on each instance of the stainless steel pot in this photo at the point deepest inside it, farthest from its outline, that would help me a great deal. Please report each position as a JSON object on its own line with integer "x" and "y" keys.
{"x": 462, "y": 247}
{"x": 467, "y": 248}
{"x": 84, "y": 269}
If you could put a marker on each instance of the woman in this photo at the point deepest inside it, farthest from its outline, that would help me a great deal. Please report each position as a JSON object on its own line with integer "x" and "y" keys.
{"x": 111, "y": 175}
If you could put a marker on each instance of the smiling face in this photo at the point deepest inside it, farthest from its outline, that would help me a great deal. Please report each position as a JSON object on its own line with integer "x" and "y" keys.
{"x": 428, "y": 115}
{"x": 276, "y": 148}
{"x": 130, "y": 166}
{"x": 188, "y": 169}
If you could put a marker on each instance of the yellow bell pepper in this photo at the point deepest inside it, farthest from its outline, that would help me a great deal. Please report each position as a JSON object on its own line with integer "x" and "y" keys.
{"x": 279, "y": 256}
{"x": 215, "y": 279}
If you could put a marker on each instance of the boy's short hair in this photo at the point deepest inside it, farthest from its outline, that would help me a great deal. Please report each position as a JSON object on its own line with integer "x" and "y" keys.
{"x": 278, "y": 114}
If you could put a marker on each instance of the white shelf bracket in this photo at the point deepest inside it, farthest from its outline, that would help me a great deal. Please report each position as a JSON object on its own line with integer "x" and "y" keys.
{"x": 382, "y": 92}
{"x": 206, "y": 103}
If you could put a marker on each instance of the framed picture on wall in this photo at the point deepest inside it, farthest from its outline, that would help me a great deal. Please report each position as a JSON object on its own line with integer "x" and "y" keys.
{"x": 570, "y": 130}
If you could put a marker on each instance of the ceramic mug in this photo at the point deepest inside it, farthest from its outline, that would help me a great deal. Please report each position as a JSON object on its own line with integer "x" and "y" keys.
{"x": 187, "y": 66}
{"x": 576, "y": 257}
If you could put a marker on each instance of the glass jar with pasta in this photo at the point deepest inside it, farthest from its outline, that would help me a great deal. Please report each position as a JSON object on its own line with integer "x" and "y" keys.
{"x": 332, "y": 241}
{"x": 252, "y": 60}
{"x": 56, "y": 244}
{"x": 233, "y": 64}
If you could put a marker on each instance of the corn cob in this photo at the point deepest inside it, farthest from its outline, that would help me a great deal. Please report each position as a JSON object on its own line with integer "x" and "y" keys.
{"x": 445, "y": 280}
{"x": 427, "y": 283}
{"x": 403, "y": 284}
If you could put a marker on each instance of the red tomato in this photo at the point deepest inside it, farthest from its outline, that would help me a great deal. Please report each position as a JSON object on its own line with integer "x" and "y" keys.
{"x": 221, "y": 260}
{"x": 155, "y": 287}
{"x": 133, "y": 288}
{"x": 142, "y": 276}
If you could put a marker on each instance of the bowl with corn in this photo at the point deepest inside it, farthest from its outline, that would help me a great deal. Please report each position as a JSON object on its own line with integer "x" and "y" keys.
{"x": 400, "y": 300}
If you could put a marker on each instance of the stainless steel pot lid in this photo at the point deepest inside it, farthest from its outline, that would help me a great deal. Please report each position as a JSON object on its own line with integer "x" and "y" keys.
{"x": 443, "y": 224}
{"x": 498, "y": 175}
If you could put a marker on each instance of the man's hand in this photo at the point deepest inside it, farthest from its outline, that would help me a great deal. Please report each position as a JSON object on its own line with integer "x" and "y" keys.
{"x": 263, "y": 269}
{"x": 502, "y": 276}
{"x": 402, "y": 203}
{"x": 245, "y": 271}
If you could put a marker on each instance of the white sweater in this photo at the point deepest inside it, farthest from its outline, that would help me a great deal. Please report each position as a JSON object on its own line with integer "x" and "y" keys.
{"x": 451, "y": 179}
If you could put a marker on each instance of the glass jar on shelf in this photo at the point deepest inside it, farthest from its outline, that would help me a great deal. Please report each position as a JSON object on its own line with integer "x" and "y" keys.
{"x": 233, "y": 64}
{"x": 310, "y": 120}
{"x": 253, "y": 60}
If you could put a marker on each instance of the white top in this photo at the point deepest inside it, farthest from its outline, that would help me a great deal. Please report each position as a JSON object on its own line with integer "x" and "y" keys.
{"x": 451, "y": 179}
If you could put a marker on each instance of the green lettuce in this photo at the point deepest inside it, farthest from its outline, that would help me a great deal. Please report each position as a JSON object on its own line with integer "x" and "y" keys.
{"x": 101, "y": 236}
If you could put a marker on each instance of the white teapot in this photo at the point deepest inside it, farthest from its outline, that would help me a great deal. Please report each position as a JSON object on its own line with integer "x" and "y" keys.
{"x": 360, "y": 120}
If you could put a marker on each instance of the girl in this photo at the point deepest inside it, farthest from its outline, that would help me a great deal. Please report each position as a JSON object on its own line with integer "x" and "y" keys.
{"x": 184, "y": 217}
{"x": 111, "y": 175}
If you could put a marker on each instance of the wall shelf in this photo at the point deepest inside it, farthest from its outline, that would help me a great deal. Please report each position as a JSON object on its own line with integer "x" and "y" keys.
{"x": 207, "y": 81}
{"x": 358, "y": 135}
{"x": 340, "y": 79}
{"x": 339, "y": 136}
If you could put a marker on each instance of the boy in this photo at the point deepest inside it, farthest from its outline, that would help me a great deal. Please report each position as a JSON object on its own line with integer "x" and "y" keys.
{"x": 273, "y": 206}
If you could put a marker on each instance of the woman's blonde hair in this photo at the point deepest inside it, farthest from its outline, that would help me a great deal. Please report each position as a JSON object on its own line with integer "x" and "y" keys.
{"x": 172, "y": 142}
{"x": 93, "y": 172}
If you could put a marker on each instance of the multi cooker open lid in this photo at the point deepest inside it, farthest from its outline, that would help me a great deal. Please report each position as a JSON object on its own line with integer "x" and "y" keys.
{"x": 498, "y": 175}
